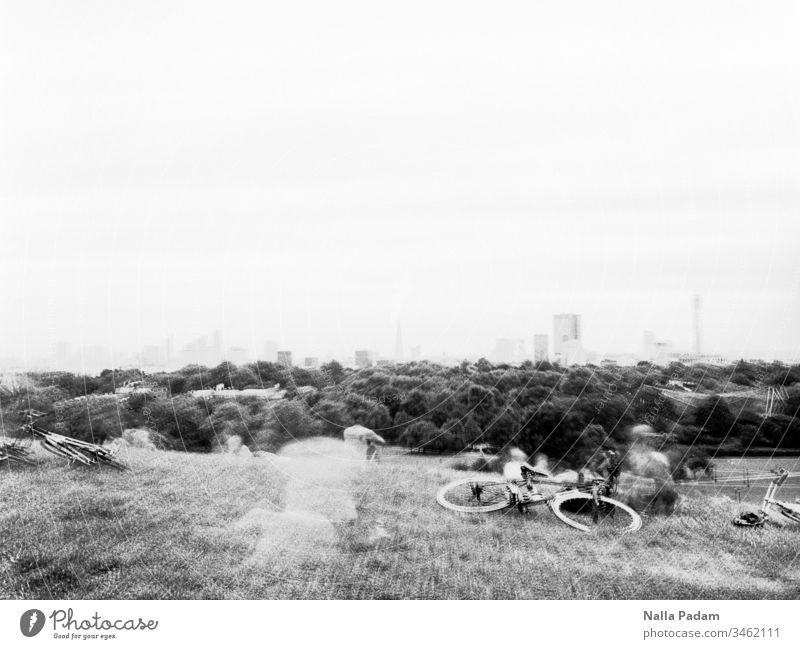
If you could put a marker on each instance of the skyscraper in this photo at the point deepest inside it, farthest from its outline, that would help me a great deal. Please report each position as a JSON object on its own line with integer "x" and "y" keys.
{"x": 541, "y": 351}
{"x": 285, "y": 358}
{"x": 566, "y": 328}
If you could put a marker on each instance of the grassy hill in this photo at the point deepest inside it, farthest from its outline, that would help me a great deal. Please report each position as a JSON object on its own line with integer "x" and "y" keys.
{"x": 212, "y": 526}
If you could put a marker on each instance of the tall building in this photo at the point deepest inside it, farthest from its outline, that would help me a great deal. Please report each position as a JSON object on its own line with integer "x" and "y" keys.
{"x": 567, "y": 347}
{"x": 566, "y": 327}
{"x": 285, "y": 358}
{"x": 363, "y": 358}
{"x": 572, "y": 353}
{"x": 311, "y": 362}
{"x": 541, "y": 352}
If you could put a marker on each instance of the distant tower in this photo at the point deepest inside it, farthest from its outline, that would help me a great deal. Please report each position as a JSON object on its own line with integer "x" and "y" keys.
{"x": 285, "y": 358}
{"x": 398, "y": 344}
{"x": 696, "y": 304}
{"x": 566, "y": 327}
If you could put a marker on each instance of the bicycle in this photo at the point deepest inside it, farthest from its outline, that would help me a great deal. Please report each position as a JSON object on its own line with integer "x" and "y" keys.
{"x": 583, "y": 505}
{"x": 73, "y": 450}
{"x": 789, "y": 510}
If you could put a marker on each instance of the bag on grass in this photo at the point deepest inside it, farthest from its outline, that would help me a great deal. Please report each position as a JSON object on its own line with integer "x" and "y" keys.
{"x": 749, "y": 519}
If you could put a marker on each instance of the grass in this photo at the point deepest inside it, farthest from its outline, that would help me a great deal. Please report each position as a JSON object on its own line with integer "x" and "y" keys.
{"x": 193, "y": 526}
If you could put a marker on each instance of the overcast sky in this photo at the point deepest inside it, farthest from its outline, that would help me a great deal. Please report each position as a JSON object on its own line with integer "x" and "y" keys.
{"x": 311, "y": 172}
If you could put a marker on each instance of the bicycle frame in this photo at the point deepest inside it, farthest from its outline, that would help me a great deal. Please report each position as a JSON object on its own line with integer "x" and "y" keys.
{"x": 527, "y": 497}
{"x": 600, "y": 486}
{"x": 73, "y": 450}
{"x": 769, "y": 501}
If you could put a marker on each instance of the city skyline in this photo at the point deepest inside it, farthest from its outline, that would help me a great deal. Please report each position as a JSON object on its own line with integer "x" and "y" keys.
{"x": 477, "y": 192}
{"x": 210, "y": 349}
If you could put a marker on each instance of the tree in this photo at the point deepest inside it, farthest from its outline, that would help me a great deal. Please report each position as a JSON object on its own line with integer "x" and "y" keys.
{"x": 715, "y": 419}
{"x": 289, "y": 421}
{"x": 503, "y": 429}
{"x": 455, "y": 435}
{"x": 791, "y": 406}
{"x": 269, "y": 373}
{"x": 181, "y": 419}
{"x": 242, "y": 419}
{"x": 333, "y": 371}
{"x": 483, "y": 365}
{"x": 780, "y": 431}
{"x": 94, "y": 419}
{"x": 415, "y": 404}
{"x": 420, "y": 434}
{"x": 332, "y": 416}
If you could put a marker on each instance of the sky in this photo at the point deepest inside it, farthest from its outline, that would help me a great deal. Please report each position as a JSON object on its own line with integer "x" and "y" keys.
{"x": 313, "y": 172}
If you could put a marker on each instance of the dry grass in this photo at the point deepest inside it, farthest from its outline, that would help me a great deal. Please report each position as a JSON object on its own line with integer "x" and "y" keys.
{"x": 206, "y": 526}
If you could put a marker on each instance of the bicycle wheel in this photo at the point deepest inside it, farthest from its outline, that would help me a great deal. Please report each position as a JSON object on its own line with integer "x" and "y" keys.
{"x": 474, "y": 495}
{"x": 579, "y": 510}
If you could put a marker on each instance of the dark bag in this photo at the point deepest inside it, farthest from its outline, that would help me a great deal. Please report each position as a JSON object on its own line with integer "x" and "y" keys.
{"x": 749, "y": 519}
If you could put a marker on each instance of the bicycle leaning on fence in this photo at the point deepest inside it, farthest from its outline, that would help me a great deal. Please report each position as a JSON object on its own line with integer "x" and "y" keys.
{"x": 584, "y": 505}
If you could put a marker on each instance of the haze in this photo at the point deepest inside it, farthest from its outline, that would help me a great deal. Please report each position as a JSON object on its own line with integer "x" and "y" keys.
{"x": 312, "y": 173}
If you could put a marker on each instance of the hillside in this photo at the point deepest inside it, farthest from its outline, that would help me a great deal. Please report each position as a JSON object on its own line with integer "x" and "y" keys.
{"x": 313, "y": 524}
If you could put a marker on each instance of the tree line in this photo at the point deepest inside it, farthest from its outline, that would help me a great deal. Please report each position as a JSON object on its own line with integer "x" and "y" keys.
{"x": 566, "y": 413}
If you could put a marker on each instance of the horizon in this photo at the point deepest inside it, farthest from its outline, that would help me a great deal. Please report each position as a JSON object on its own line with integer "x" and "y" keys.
{"x": 312, "y": 179}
